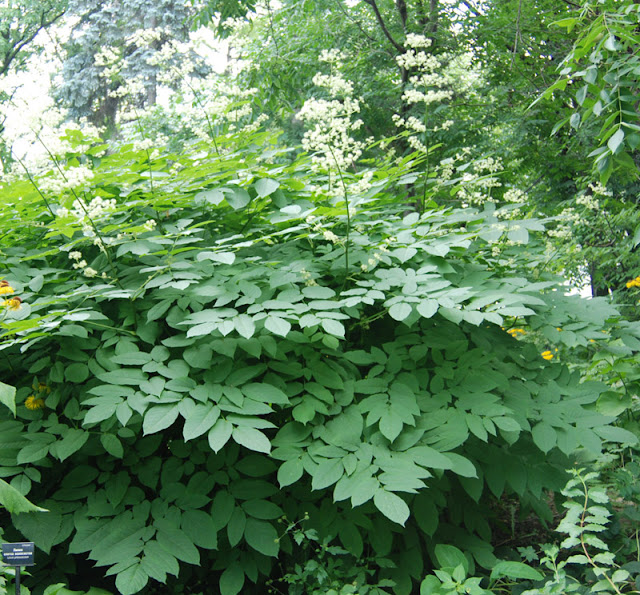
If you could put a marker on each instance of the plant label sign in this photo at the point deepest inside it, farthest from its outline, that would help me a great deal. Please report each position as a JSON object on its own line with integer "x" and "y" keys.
{"x": 18, "y": 554}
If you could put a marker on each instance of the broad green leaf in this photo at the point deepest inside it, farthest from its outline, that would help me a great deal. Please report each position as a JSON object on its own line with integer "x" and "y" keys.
{"x": 615, "y": 434}
{"x": 265, "y": 187}
{"x": 265, "y": 393}
{"x": 390, "y": 425}
{"x": 290, "y": 472}
{"x": 112, "y": 445}
{"x": 99, "y": 413}
{"x": 158, "y": 562}
{"x": 400, "y": 311}
{"x": 516, "y": 570}
{"x": 72, "y": 441}
{"x": 262, "y": 537}
{"x": 391, "y": 506}
{"x": 76, "y": 373}
{"x": 232, "y": 579}
{"x": 616, "y": 140}
{"x": 430, "y": 586}
{"x": 244, "y": 325}
{"x": 223, "y": 257}
{"x": 32, "y": 453}
{"x": 159, "y": 417}
{"x": 133, "y": 358}
{"x": 8, "y": 397}
{"x": 238, "y": 199}
{"x": 252, "y": 439}
{"x": 449, "y": 556}
{"x": 262, "y": 509}
{"x": 219, "y": 435}
{"x": 461, "y": 465}
{"x": 278, "y": 326}
{"x": 175, "y": 541}
{"x": 132, "y": 580}
{"x": 200, "y": 420}
{"x": 544, "y": 436}
{"x": 222, "y": 508}
{"x": 200, "y": 528}
{"x": 612, "y": 403}
{"x": 131, "y": 376}
{"x": 427, "y": 308}
{"x": 333, "y": 327}
{"x": 327, "y": 473}
{"x": 40, "y": 527}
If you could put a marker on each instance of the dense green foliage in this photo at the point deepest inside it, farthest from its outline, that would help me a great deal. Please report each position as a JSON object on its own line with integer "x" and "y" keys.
{"x": 280, "y": 339}
{"x": 205, "y": 364}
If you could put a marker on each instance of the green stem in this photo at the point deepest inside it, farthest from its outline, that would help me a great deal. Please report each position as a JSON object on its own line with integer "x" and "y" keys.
{"x": 346, "y": 200}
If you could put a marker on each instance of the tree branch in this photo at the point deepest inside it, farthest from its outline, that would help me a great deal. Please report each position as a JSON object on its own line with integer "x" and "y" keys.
{"x": 383, "y": 26}
{"x": 21, "y": 42}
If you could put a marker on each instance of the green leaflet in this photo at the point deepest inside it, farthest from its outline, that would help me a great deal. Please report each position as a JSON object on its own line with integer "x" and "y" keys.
{"x": 391, "y": 506}
{"x": 8, "y": 396}
{"x": 14, "y": 502}
{"x": 133, "y": 579}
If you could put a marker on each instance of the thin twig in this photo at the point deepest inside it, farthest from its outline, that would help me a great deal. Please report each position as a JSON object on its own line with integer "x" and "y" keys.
{"x": 518, "y": 34}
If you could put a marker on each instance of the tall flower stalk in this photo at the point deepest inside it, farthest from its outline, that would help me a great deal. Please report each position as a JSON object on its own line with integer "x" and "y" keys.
{"x": 331, "y": 124}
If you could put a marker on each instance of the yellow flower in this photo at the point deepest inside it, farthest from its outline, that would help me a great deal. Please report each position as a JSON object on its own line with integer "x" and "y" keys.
{"x": 547, "y": 355}
{"x": 34, "y": 402}
{"x": 43, "y": 388}
{"x": 514, "y": 331}
{"x": 5, "y": 288}
{"x": 14, "y": 303}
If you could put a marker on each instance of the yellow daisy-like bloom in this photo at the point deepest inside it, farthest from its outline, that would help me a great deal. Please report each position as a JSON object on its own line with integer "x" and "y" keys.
{"x": 34, "y": 403}
{"x": 13, "y": 303}
{"x": 547, "y": 355}
{"x": 5, "y": 288}
{"x": 633, "y": 282}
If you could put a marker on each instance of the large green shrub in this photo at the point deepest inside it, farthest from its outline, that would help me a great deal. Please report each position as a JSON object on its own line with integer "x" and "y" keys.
{"x": 194, "y": 363}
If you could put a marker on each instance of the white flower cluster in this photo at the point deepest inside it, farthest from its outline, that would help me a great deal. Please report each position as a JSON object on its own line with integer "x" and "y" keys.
{"x": 588, "y": 201}
{"x": 562, "y": 232}
{"x": 80, "y": 263}
{"x": 255, "y": 125}
{"x": 143, "y": 145}
{"x": 363, "y": 184}
{"x": 332, "y": 56}
{"x": 488, "y": 164}
{"x": 427, "y": 87}
{"x": 73, "y": 178}
{"x": 107, "y": 56}
{"x": 330, "y": 236}
{"x": 86, "y": 214}
{"x": 94, "y": 209}
{"x": 150, "y": 224}
{"x": 598, "y": 189}
{"x": 335, "y": 84}
{"x": 514, "y": 195}
{"x": 145, "y": 37}
{"x": 332, "y": 121}
{"x": 309, "y": 281}
{"x": 415, "y": 40}
{"x": 445, "y": 125}
{"x": 418, "y": 59}
{"x": 377, "y": 256}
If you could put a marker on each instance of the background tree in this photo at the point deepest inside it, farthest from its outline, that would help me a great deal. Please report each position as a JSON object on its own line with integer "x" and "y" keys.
{"x": 115, "y": 53}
